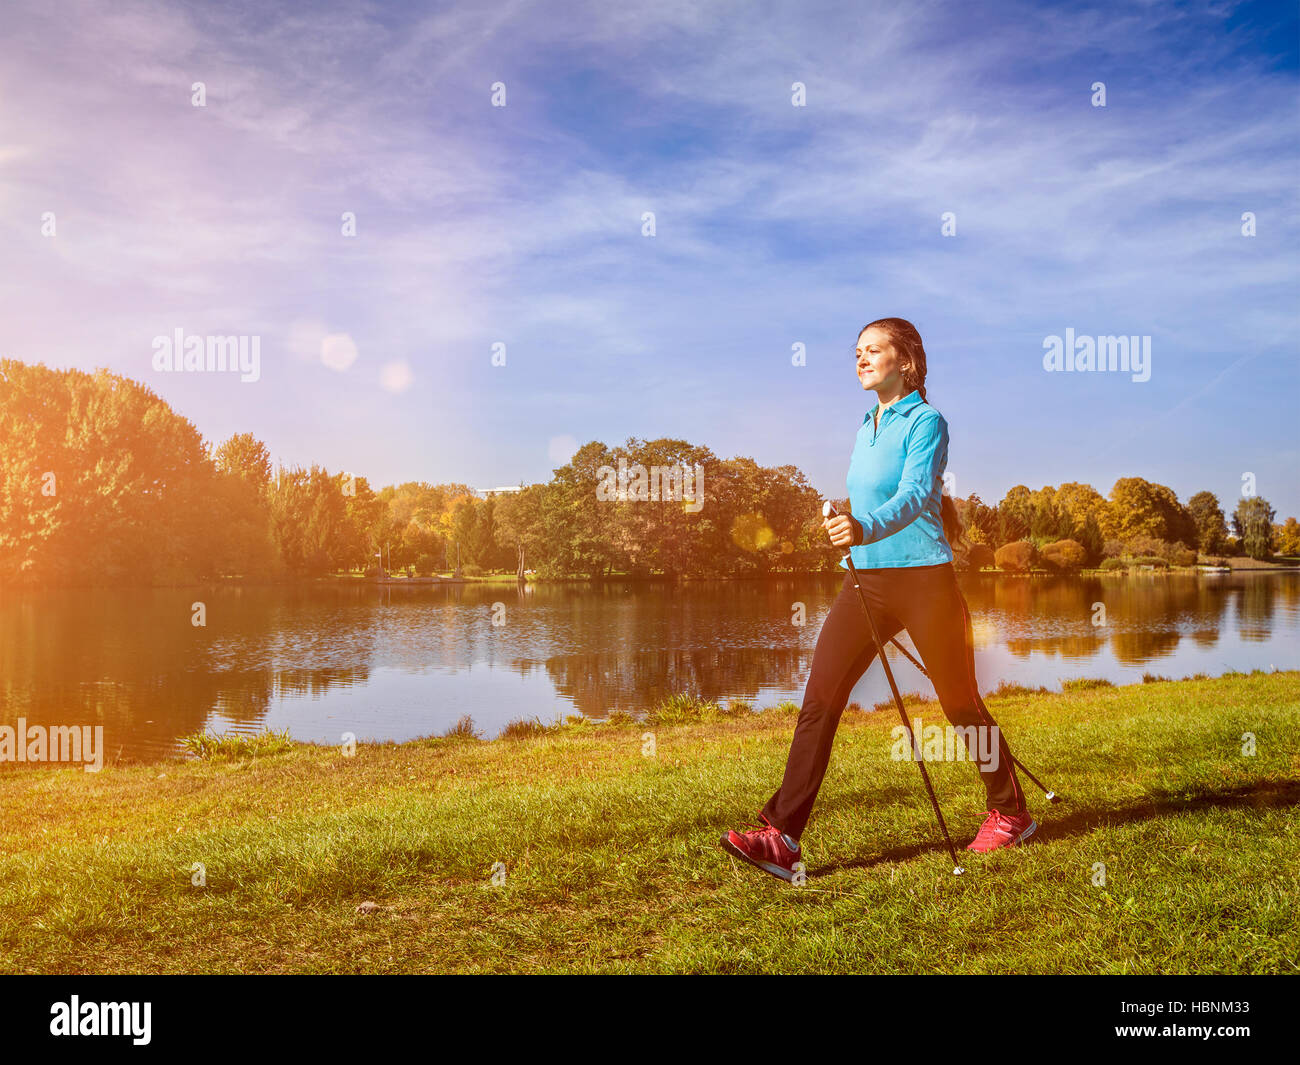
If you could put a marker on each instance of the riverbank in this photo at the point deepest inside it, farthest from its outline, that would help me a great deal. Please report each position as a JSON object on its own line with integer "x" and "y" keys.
{"x": 606, "y": 859}
{"x": 357, "y": 580}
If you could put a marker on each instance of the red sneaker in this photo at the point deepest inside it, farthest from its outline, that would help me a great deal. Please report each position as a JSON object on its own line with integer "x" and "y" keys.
{"x": 767, "y": 847}
{"x": 1000, "y": 831}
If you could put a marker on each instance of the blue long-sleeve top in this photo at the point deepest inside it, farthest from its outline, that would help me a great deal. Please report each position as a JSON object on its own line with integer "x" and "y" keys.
{"x": 895, "y": 484}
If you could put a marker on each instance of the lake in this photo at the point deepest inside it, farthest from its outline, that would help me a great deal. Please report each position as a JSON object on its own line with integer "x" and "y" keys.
{"x": 390, "y": 663}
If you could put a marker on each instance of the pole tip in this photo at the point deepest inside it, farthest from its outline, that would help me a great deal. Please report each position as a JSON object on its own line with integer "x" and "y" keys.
{"x": 1053, "y": 797}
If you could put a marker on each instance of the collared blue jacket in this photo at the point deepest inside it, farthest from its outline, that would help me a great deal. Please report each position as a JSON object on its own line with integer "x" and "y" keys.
{"x": 895, "y": 484}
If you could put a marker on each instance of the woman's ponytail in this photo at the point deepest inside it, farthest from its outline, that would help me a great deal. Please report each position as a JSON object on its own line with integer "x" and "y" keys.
{"x": 953, "y": 529}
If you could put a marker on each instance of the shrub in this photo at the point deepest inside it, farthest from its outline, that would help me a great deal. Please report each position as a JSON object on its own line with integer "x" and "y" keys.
{"x": 1083, "y": 684}
{"x": 463, "y": 730}
{"x": 1015, "y": 557}
{"x": 978, "y": 556}
{"x": 1009, "y": 688}
{"x": 680, "y": 707}
{"x": 1114, "y": 563}
{"x": 426, "y": 565}
{"x": 522, "y": 729}
{"x": 1065, "y": 556}
{"x": 1150, "y": 560}
{"x": 1112, "y": 549}
{"x": 1178, "y": 555}
{"x": 471, "y": 570}
{"x": 210, "y": 746}
{"x": 1140, "y": 546}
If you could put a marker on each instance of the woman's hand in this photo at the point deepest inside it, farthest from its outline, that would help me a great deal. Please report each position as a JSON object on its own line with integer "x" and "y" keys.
{"x": 843, "y": 530}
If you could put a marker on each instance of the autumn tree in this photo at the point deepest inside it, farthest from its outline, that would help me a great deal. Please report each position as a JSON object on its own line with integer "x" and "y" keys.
{"x": 1207, "y": 516}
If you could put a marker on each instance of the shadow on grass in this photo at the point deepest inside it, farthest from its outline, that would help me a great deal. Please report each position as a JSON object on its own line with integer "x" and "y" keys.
{"x": 1269, "y": 795}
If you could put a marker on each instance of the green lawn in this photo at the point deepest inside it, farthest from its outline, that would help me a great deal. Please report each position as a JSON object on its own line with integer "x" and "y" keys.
{"x": 611, "y": 858}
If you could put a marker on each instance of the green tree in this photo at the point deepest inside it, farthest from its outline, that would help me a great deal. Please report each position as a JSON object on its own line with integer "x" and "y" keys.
{"x": 1015, "y": 515}
{"x": 519, "y": 525}
{"x": 980, "y": 520}
{"x": 1252, "y": 521}
{"x": 309, "y": 521}
{"x": 582, "y": 533}
{"x": 101, "y": 482}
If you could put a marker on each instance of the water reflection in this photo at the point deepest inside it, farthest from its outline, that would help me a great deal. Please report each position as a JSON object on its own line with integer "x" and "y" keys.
{"x": 396, "y": 663}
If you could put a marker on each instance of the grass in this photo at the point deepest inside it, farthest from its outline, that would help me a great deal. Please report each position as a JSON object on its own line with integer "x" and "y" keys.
{"x": 609, "y": 846}
{"x": 233, "y": 745}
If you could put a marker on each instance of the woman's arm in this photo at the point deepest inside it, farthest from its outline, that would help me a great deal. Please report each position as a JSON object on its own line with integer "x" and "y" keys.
{"x": 927, "y": 455}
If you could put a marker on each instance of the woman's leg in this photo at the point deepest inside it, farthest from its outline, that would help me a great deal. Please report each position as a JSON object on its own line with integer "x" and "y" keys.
{"x": 934, "y": 611}
{"x": 844, "y": 651}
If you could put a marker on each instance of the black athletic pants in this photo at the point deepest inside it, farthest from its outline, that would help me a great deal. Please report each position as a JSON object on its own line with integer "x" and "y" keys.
{"x": 926, "y": 601}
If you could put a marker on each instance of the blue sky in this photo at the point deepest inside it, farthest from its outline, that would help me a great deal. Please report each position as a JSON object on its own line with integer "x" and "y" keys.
{"x": 775, "y": 225}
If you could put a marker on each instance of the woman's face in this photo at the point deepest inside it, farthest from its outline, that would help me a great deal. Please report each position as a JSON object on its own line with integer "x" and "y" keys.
{"x": 878, "y": 362}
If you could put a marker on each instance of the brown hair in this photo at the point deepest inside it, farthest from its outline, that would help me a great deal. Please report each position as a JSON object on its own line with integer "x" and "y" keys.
{"x": 911, "y": 350}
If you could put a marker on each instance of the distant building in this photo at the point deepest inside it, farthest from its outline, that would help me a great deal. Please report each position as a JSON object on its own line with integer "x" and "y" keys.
{"x": 483, "y": 493}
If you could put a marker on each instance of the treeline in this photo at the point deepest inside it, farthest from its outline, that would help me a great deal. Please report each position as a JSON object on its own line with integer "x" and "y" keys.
{"x": 102, "y": 482}
{"x": 1074, "y": 526}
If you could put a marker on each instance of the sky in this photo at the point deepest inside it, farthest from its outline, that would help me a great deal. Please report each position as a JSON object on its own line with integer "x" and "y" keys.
{"x": 128, "y": 212}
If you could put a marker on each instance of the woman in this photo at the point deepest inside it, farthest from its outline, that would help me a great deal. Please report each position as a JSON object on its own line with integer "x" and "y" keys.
{"x": 899, "y": 534}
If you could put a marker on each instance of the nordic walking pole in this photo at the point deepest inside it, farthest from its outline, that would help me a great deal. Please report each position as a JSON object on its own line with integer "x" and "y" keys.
{"x": 1051, "y": 795}
{"x": 829, "y": 511}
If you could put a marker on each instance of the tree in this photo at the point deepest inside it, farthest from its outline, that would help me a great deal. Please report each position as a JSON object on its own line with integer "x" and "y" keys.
{"x": 366, "y": 523}
{"x": 1207, "y": 516}
{"x": 1015, "y": 515}
{"x": 519, "y": 524}
{"x": 1252, "y": 521}
{"x": 101, "y": 482}
{"x": 309, "y": 521}
{"x": 980, "y": 521}
{"x": 580, "y": 530}
{"x": 246, "y": 457}
{"x": 1141, "y": 508}
{"x": 1046, "y": 520}
{"x": 1288, "y": 538}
